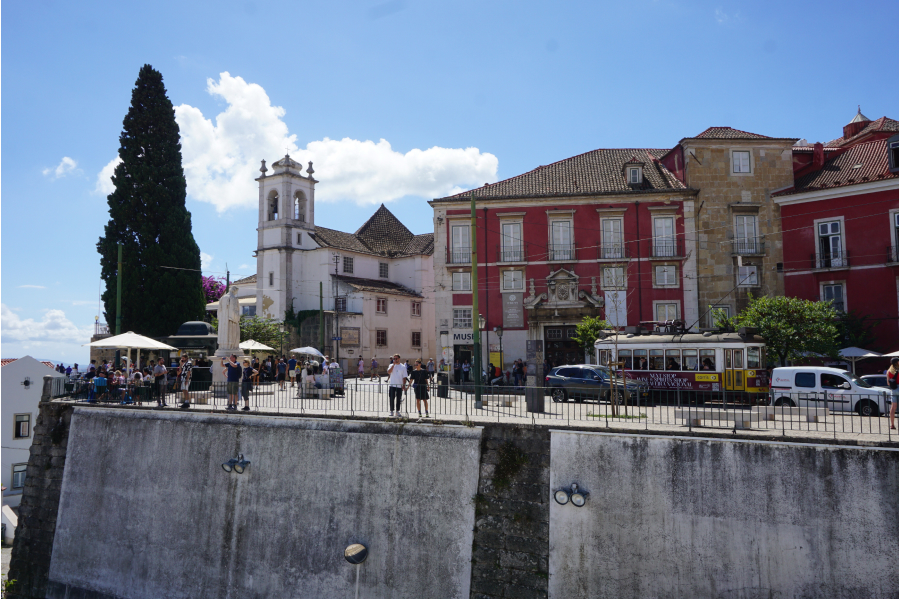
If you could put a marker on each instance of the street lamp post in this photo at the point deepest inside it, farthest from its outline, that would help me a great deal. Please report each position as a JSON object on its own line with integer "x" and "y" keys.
{"x": 499, "y": 332}
{"x": 477, "y": 363}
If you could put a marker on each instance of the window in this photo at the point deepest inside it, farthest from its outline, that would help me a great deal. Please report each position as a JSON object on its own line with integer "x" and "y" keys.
{"x": 805, "y": 380}
{"x": 416, "y": 339}
{"x": 561, "y": 247}
{"x": 745, "y": 240}
{"x": 348, "y": 264}
{"x": 611, "y": 244}
{"x": 707, "y": 360}
{"x": 613, "y": 277}
{"x": 895, "y": 235}
{"x": 754, "y": 360}
{"x": 383, "y": 270}
{"x": 834, "y": 293}
{"x": 740, "y": 161}
{"x": 666, "y": 311}
{"x": 554, "y": 333}
{"x": 381, "y": 305}
{"x": 298, "y": 206}
{"x": 512, "y": 280}
{"x": 718, "y": 310}
{"x": 248, "y": 311}
{"x": 666, "y": 275}
{"x": 381, "y": 337}
{"x": 462, "y": 282}
{"x": 511, "y": 242}
{"x": 625, "y": 359}
{"x": 893, "y": 155}
{"x": 23, "y": 426}
{"x": 747, "y": 276}
{"x": 462, "y": 318}
{"x": 417, "y": 309}
{"x": 460, "y": 245}
{"x": 831, "y": 246}
{"x": 688, "y": 360}
{"x": 273, "y": 206}
{"x": 299, "y": 238}
{"x": 657, "y": 360}
{"x": 640, "y": 360}
{"x": 664, "y": 236}
{"x": 18, "y": 476}
{"x": 271, "y": 279}
{"x": 634, "y": 175}
{"x": 340, "y": 304}
{"x": 673, "y": 360}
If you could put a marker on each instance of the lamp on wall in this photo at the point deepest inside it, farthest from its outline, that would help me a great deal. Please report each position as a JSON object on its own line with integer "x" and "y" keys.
{"x": 578, "y": 497}
{"x": 236, "y": 464}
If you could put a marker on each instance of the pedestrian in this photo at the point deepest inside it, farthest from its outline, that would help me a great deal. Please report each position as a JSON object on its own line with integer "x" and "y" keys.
{"x": 68, "y": 371}
{"x": 465, "y": 370}
{"x": 281, "y": 367}
{"x": 374, "y": 371}
{"x": 517, "y": 372}
{"x": 419, "y": 381}
{"x": 247, "y": 383}
{"x": 430, "y": 369}
{"x": 292, "y": 369}
{"x": 360, "y": 368}
{"x": 184, "y": 376}
{"x": 398, "y": 382}
{"x": 159, "y": 378}
{"x": 457, "y": 371}
{"x": 892, "y": 381}
{"x": 232, "y": 372}
{"x": 255, "y": 366}
{"x": 76, "y": 371}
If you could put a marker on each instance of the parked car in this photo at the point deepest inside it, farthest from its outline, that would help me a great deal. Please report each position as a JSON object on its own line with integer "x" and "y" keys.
{"x": 836, "y": 389}
{"x": 591, "y": 382}
{"x": 876, "y": 380}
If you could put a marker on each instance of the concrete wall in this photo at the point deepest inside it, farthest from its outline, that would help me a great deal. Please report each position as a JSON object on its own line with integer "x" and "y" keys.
{"x": 693, "y": 517}
{"x": 165, "y": 520}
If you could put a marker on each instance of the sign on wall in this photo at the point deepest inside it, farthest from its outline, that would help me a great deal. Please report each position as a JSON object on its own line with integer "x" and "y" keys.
{"x": 349, "y": 336}
{"x": 462, "y": 338}
{"x": 513, "y": 311}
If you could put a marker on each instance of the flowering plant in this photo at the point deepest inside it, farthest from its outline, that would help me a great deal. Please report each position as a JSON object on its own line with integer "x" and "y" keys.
{"x": 213, "y": 288}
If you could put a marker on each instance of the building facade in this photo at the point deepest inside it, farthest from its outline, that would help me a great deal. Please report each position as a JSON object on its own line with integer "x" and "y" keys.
{"x": 840, "y": 222}
{"x": 608, "y": 233}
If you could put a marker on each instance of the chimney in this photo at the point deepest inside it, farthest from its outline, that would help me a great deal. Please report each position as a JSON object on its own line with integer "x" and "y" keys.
{"x": 818, "y": 160}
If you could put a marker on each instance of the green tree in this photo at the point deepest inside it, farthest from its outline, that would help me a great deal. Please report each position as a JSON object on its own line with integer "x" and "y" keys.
{"x": 587, "y": 332}
{"x": 147, "y": 215}
{"x": 265, "y": 331}
{"x": 855, "y": 329}
{"x": 792, "y": 326}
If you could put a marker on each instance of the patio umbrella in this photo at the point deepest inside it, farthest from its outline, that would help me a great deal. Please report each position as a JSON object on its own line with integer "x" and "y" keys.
{"x": 308, "y": 350}
{"x": 254, "y": 346}
{"x": 892, "y": 354}
{"x": 854, "y": 354}
{"x": 131, "y": 340}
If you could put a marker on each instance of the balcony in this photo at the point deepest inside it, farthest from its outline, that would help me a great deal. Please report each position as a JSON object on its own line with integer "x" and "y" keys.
{"x": 511, "y": 254}
{"x": 561, "y": 252}
{"x": 459, "y": 256}
{"x": 837, "y": 259}
{"x": 748, "y": 247}
{"x": 613, "y": 252}
{"x": 667, "y": 248}
{"x": 892, "y": 254}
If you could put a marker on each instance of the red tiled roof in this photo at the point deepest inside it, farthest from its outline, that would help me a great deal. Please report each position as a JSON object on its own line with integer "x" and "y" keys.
{"x": 729, "y": 133}
{"x": 860, "y": 164}
{"x": 383, "y": 234}
{"x": 379, "y": 286}
{"x": 6, "y": 361}
{"x": 884, "y": 124}
{"x": 592, "y": 173}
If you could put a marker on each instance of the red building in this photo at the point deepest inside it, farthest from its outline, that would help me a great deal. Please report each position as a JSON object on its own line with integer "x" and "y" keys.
{"x": 840, "y": 226}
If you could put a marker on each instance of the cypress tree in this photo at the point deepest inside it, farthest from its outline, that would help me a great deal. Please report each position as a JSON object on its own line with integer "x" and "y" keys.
{"x": 147, "y": 214}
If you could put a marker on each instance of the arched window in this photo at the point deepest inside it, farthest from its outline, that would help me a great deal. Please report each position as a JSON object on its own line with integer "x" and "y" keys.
{"x": 300, "y": 206}
{"x": 273, "y": 206}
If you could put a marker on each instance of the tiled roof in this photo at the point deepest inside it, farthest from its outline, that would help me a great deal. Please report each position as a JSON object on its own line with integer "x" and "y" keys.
{"x": 6, "y": 361}
{"x": 729, "y": 133}
{"x": 383, "y": 234}
{"x": 592, "y": 173}
{"x": 860, "y": 164}
{"x": 250, "y": 279}
{"x": 378, "y": 286}
{"x": 884, "y": 124}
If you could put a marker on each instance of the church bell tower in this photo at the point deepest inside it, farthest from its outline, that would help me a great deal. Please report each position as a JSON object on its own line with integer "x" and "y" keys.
{"x": 286, "y": 217}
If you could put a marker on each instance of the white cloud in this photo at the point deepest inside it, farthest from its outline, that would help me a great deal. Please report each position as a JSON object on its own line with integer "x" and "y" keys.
{"x": 33, "y": 287}
{"x": 205, "y": 260}
{"x": 221, "y": 159}
{"x": 105, "y": 185}
{"x": 244, "y": 267}
{"x": 66, "y": 166}
{"x": 54, "y": 327}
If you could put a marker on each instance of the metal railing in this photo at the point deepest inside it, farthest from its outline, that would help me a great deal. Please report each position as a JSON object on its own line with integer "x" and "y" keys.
{"x": 459, "y": 256}
{"x": 748, "y": 246}
{"x": 507, "y": 254}
{"x": 837, "y": 259}
{"x": 667, "y": 248}
{"x": 561, "y": 251}
{"x": 813, "y": 415}
{"x": 101, "y": 329}
{"x": 612, "y": 252}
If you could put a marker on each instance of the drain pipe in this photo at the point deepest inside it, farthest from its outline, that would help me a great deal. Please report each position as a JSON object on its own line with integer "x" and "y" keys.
{"x": 637, "y": 222}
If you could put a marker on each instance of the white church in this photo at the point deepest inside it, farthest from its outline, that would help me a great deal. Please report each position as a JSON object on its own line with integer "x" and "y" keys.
{"x": 377, "y": 283}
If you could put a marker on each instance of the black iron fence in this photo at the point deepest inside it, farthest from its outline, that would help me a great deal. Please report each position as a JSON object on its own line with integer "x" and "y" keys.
{"x": 823, "y": 415}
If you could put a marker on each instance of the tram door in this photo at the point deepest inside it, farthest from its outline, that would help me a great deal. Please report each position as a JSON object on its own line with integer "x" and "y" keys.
{"x": 734, "y": 370}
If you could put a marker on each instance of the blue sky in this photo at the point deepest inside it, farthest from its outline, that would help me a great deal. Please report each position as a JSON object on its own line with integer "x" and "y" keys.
{"x": 395, "y": 102}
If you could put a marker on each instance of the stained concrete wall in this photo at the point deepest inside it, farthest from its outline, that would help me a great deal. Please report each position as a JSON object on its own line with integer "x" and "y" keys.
{"x": 688, "y": 517}
{"x": 147, "y": 511}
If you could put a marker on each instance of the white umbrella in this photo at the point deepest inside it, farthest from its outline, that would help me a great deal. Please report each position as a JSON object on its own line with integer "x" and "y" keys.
{"x": 254, "y": 346}
{"x": 892, "y": 354}
{"x": 131, "y": 340}
{"x": 308, "y": 350}
{"x": 854, "y": 354}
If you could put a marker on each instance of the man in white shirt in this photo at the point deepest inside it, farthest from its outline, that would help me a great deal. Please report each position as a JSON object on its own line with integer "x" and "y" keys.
{"x": 398, "y": 381}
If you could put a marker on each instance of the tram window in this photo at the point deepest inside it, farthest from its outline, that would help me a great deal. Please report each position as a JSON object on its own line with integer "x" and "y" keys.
{"x": 656, "y": 360}
{"x": 738, "y": 359}
{"x": 673, "y": 360}
{"x": 604, "y": 357}
{"x": 640, "y": 360}
{"x": 625, "y": 359}
{"x": 688, "y": 360}
{"x": 805, "y": 380}
{"x": 708, "y": 360}
{"x": 753, "y": 358}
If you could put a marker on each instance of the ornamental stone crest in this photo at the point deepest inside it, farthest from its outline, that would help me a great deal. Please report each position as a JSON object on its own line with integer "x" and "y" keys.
{"x": 563, "y": 292}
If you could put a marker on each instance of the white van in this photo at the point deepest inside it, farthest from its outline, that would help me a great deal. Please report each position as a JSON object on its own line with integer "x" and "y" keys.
{"x": 836, "y": 389}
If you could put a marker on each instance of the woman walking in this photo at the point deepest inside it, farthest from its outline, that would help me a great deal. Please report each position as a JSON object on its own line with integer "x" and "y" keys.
{"x": 892, "y": 376}
{"x": 419, "y": 379}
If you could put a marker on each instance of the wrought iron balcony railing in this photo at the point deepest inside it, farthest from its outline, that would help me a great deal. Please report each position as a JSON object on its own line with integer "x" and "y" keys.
{"x": 561, "y": 252}
{"x": 613, "y": 252}
{"x": 837, "y": 259}
{"x": 459, "y": 256}
{"x": 748, "y": 246}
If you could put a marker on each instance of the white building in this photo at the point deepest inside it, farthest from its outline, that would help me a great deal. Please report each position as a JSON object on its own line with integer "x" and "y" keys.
{"x": 379, "y": 281}
{"x": 22, "y": 382}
